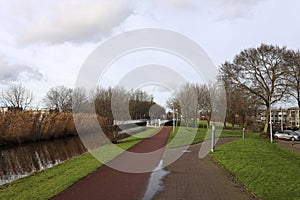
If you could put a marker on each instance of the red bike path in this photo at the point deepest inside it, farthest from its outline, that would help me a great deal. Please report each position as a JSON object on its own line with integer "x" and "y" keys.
{"x": 107, "y": 183}
{"x": 190, "y": 177}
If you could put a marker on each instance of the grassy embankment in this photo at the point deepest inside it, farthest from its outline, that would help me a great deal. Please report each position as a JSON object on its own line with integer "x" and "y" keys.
{"x": 200, "y": 134}
{"x": 45, "y": 184}
{"x": 269, "y": 171}
{"x": 266, "y": 169}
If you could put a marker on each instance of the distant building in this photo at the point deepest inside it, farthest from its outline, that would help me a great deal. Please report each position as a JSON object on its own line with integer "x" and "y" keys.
{"x": 293, "y": 117}
{"x": 4, "y": 109}
{"x": 10, "y": 109}
{"x": 288, "y": 117}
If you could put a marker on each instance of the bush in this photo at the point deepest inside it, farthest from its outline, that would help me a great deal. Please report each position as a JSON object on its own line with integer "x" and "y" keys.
{"x": 30, "y": 126}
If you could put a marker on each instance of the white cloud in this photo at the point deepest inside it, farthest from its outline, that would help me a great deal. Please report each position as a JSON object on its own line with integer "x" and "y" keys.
{"x": 174, "y": 4}
{"x": 65, "y": 20}
{"x": 233, "y": 9}
{"x": 12, "y": 72}
{"x": 70, "y": 27}
{"x": 223, "y": 9}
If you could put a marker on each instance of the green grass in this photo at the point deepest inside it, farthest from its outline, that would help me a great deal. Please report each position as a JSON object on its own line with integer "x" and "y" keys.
{"x": 188, "y": 135}
{"x": 47, "y": 183}
{"x": 266, "y": 169}
{"x": 203, "y": 124}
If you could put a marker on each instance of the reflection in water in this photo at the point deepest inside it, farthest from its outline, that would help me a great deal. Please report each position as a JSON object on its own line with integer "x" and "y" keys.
{"x": 22, "y": 160}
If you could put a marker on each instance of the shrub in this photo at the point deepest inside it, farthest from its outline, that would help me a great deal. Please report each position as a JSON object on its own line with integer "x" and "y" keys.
{"x": 30, "y": 126}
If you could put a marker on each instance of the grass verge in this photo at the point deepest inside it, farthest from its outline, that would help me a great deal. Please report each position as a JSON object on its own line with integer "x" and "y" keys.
{"x": 47, "y": 183}
{"x": 266, "y": 169}
{"x": 184, "y": 135}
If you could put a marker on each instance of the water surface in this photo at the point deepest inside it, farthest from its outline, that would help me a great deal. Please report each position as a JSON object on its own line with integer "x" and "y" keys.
{"x": 22, "y": 160}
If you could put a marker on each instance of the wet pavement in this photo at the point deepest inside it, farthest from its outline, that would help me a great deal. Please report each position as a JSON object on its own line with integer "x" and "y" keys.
{"x": 291, "y": 145}
{"x": 155, "y": 184}
{"x": 187, "y": 178}
{"x": 193, "y": 178}
{"x": 111, "y": 184}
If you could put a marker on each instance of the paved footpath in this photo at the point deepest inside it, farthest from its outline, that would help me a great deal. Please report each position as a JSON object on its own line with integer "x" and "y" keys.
{"x": 194, "y": 178}
{"x": 109, "y": 184}
{"x": 190, "y": 177}
{"x": 292, "y": 146}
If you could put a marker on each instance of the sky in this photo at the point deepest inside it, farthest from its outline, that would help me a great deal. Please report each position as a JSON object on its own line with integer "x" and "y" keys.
{"x": 45, "y": 43}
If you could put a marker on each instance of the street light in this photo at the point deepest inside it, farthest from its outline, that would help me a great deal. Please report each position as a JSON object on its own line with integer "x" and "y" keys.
{"x": 173, "y": 118}
{"x": 176, "y": 116}
{"x": 298, "y": 118}
{"x": 271, "y": 131}
{"x": 281, "y": 122}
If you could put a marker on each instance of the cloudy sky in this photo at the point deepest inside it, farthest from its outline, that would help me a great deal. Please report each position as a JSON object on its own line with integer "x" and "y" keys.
{"x": 44, "y": 43}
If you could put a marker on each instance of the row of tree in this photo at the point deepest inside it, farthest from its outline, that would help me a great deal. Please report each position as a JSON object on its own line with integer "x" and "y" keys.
{"x": 264, "y": 75}
{"x": 192, "y": 101}
{"x": 256, "y": 79}
{"x": 109, "y": 102}
{"x": 23, "y": 124}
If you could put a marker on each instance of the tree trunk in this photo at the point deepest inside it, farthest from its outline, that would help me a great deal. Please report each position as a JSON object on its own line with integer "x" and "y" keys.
{"x": 298, "y": 110}
{"x": 207, "y": 121}
{"x": 267, "y": 120}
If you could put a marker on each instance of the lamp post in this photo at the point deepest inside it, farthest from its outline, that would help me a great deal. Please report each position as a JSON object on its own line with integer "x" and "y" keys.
{"x": 271, "y": 131}
{"x": 281, "y": 122}
{"x": 173, "y": 118}
{"x": 298, "y": 117}
{"x": 176, "y": 116}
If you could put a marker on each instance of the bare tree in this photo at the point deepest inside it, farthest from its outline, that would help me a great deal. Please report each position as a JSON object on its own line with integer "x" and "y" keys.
{"x": 293, "y": 75}
{"x": 208, "y": 99}
{"x": 188, "y": 104}
{"x": 212, "y": 101}
{"x": 204, "y": 100}
{"x": 102, "y": 100}
{"x": 157, "y": 112}
{"x": 140, "y": 96}
{"x": 120, "y": 104}
{"x": 16, "y": 97}
{"x": 260, "y": 71}
{"x": 59, "y": 98}
{"x": 80, "y": 100}
{"x": 241, "y": 105}
{"x": 185, "y": 101}
{"x": 174, "y": 104}
{"x": 140, "y": 103}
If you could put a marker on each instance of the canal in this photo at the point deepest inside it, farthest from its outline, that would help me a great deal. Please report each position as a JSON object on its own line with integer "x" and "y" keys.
{"x": 22, "y": 160}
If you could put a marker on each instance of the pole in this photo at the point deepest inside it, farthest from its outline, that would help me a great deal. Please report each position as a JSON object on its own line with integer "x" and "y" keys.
{"x": 243, "y": 133}
{"x": 173, "y": 119}
{"x": 298, "y": 120}
{"x": 213, "y": 130}
{"x": 271, "y": 131}
{"x": 177, "y": 112}
{"x": 281, "y": 124}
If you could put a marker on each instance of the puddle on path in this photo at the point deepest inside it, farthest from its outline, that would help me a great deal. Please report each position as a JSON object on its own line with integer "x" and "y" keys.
{"x": 155, "y": 184}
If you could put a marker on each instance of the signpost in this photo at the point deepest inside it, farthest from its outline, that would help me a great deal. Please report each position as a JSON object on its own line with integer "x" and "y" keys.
{"x": 213, "y": 133}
